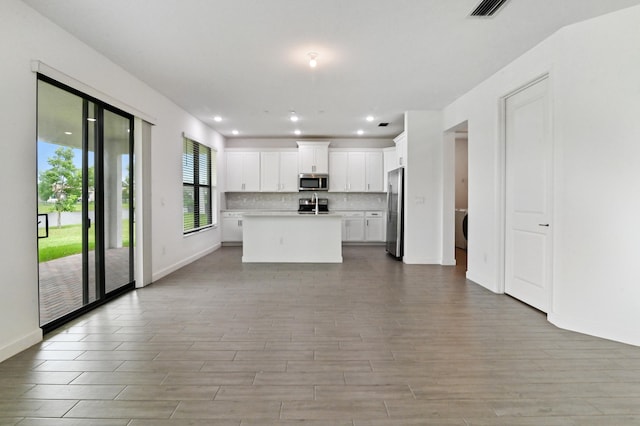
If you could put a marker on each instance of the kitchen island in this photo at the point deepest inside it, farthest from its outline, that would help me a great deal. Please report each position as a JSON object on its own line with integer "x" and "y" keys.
{"x": 290, "y": 237}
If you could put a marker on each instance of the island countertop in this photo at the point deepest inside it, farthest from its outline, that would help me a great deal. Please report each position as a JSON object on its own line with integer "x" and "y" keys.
{"x": 291, "y": 237}
{"x": 289, "y": 214}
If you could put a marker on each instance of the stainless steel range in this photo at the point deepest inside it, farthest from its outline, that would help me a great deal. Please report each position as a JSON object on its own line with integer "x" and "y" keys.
{"x": 308, "y": 205}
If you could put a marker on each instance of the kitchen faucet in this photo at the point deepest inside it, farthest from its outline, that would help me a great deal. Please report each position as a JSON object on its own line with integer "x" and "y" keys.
{"x": 315, "y": 197}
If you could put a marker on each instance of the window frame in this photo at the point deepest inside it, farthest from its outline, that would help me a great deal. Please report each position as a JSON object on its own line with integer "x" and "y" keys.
{"x": 195, "y": 183}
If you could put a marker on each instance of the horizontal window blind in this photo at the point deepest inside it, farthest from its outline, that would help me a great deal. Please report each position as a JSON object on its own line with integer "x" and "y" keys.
{"x": 196, "y": 186}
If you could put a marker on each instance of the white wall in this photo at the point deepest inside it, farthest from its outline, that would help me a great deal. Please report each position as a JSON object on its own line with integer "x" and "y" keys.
{"x": 593, "y": 68}
{"x": 25, "y": 36}
{"x": 423, "y": 201}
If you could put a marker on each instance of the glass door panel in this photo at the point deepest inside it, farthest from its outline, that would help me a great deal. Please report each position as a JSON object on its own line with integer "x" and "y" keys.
{"x": 117, "y": 241}
{"x": 60, "y": 167}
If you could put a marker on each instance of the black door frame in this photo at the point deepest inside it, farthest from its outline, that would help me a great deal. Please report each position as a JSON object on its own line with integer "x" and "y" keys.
{"x": 101, "y": 296}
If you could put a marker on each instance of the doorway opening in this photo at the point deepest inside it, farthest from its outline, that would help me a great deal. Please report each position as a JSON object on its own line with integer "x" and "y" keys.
{"x": 461, "y": 195}
{"x": 85, "y": 202}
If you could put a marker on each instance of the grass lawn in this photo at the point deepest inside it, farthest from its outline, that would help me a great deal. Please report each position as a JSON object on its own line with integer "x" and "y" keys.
{"x": 67, "y": 240}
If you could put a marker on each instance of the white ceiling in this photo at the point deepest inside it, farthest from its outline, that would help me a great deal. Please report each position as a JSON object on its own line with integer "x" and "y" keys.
{"x": 245, "y": 60}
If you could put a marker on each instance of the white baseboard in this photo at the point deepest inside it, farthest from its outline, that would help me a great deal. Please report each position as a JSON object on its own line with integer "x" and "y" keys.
{"x": 449, "y": 262}
{"x": 627, "y": 333}
{"x": 172, "y": 268}
{"x": 483, "y": 282}
{"x": 21, "y": 344}
{"x": 420, "y": 261}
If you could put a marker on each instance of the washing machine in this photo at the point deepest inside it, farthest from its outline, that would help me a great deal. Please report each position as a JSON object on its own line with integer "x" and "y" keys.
{"x": 461, "y": 238}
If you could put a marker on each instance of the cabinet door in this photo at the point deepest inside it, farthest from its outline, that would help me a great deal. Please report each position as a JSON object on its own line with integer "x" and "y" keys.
{"x": 338, "y": 171}
{"x": 306, "y": 159}
{"x": 289, "y": 171}
{"x": 374, "y": 172}
{"x": 234, "y": 171}
{"x": 390, "y": 163}
{"x": 232, "y": 229}
{"x": 251, "y": 171}
{"x": 321, "y": 158}
{"x": 269, "y": 171}
{"x": 356, "y": 172}
{"x": 355, "y": 229}
{"x": 401, "y": 149}
{"x": 374, "y": 229}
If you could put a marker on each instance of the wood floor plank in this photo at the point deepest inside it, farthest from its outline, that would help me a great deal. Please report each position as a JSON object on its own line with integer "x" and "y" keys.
{"x": 369, "y": 342}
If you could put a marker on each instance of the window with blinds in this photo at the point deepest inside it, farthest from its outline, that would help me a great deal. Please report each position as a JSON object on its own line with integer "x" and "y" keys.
{"x": 198, "y": 185}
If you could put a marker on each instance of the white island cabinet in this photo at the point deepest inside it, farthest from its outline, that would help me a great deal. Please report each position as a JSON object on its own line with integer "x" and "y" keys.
{"x": 292, "y": 238}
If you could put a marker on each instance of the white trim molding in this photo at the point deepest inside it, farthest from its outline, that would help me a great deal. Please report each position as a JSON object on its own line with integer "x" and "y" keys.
{"x": 21, "y": 344}
{"x": 42, "y": 68}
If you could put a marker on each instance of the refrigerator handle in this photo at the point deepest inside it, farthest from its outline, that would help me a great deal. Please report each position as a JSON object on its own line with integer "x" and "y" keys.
{"x": 389, "y": 203}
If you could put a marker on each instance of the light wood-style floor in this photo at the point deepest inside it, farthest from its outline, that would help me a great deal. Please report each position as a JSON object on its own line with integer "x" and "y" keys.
{"x": 368, "y": 342}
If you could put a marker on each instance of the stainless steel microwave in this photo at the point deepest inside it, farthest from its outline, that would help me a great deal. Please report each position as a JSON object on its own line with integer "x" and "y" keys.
{"x": 313, "y": 182}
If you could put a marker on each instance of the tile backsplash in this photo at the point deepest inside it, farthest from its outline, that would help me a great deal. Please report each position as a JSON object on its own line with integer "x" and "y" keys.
{"x": 289, "y": 200}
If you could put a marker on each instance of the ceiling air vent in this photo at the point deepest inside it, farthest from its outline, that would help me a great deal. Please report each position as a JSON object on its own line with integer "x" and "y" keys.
{"x": 383, "y": 124}
{"x": 488, "y": 7}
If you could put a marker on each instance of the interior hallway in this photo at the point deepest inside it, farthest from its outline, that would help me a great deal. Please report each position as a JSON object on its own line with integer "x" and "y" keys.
{"x": 369, "y": 342}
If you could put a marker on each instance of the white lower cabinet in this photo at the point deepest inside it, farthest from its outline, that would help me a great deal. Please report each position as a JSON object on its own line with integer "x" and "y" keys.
{"x": 352, "y": 226}
{"x": 232, "y": 227}
{"x": 374, "y": 226}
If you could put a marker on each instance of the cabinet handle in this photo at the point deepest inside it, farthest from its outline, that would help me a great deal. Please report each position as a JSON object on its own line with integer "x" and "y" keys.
{"x": 239, "y": 222}
{"x": 367, "y": 222}
{"x": 313, "y": 168}
{"x": 368, "y": 186}
{"x": 243, "y": 186}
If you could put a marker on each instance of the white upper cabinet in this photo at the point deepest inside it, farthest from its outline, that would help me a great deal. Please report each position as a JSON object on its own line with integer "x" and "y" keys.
{"x": 313, "y": 157}
{"x": 356, "y": 171}
{"x": 338, "y": 171}
{"x": 279, "y": 171}
{"x": 289, "y": 171}
{"x": 374, "y": 171}
{"x": 401, "y": 149}
{"x": 269, "y": 171}
{"x": 243, "y": 171}
{"x": 390, "y": 163}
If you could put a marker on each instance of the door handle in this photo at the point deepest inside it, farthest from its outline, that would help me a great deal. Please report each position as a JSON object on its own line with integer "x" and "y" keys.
{"x": 543, "y": 224}
{"x": 46, "y": 224}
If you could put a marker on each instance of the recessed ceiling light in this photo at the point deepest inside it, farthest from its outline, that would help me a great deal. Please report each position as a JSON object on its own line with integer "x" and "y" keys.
{"x": 297, "y": 132}
{"x": 68, "y": 133}
{"x": 217, "y": 118}
{"x": 91, "y": 119}
{"x": 293, "y": 117}
{"x": 313, "y": 62}
{"x": 235, "y": 132}
{"x": 369, "y": 118}
{"x": 360, "y": 132}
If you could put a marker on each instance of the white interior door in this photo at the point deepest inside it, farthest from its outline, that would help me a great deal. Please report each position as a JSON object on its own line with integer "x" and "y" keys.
{"x": 528, "y": 196}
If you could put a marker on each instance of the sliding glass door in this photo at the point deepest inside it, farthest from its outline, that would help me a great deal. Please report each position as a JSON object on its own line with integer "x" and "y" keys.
{"x": 85, "y": 164}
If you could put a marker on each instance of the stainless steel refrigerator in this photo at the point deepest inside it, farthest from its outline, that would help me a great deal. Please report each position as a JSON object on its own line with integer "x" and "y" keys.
{"x": 395, "y": 213}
